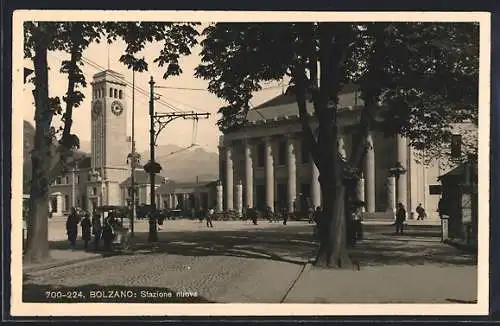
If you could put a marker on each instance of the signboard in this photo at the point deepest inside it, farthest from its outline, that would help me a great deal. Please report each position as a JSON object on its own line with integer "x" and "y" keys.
{"x": 466, "y": 208}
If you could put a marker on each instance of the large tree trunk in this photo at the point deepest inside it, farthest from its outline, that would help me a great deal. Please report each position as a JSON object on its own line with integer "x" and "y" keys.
{"x": 332, "y": 250}
{"x": 37, "y": 248}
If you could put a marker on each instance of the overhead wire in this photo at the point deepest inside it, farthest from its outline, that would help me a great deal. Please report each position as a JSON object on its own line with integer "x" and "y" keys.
{"x": 99, "y": 68}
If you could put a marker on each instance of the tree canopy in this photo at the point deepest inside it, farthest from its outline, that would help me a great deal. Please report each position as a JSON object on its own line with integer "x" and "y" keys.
{"x": 415, "y": 79}
{"x": 53, "y": 148}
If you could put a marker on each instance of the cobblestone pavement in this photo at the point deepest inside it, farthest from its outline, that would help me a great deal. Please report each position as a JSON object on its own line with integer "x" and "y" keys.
{"x": 238, "y": 262}
{"x": 223, "y": 264}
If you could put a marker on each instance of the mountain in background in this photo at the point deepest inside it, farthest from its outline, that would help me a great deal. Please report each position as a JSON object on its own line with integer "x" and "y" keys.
{"x": 185, "y": 165}
{"x": 178, "y": 163}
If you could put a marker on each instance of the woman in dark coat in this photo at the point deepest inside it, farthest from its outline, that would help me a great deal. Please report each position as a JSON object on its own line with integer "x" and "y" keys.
{"x": 400, "y": 218}
{"x": 86, "y": 227}
{"x": 72, "y": 227}
{"x": 96, "y": 230}
{"x": 107, "y": 235}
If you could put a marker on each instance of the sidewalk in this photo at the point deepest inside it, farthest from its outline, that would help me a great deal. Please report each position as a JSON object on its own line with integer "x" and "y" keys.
{"x": 393, "y": 269}
{"x": 61, "y": 257}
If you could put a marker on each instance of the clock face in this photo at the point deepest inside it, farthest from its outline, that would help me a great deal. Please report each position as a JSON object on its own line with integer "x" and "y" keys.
{"x": 116, "y": 108}
{"x": 96, "y": 110}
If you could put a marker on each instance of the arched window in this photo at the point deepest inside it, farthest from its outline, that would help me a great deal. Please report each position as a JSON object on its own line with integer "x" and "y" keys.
{"x": 110, "y": 92}
{"x": 120, "y": 94}
{"x": 115, "y": 93}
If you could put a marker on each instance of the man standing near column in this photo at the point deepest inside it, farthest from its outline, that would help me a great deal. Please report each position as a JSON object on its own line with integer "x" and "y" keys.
{"x": 229, "y": 179}
{"x": 292, "y": 176}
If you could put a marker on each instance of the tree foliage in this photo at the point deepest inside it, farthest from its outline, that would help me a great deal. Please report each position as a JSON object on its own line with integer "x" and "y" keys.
{"x": 416, "y": 79}
{"x": 53, "y": 148}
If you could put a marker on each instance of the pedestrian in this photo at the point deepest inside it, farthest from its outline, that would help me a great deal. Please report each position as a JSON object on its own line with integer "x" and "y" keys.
{"x": 421, "y": 212}
{"x": 72, "y": 227}
{"x": 209, "y": 218}
{"x": 269, "y": 214}
{"x": 107, "y": 235}
{"x": 244, "y": 214}
{"x": 96, "y": 230}
{"x": 316, "y": 218}
{"x": 442, "y": 209}
{"x": 255, "y": 215}
{"x": 310, "y": 215}
{"x": 400, "y": 218}
{"x": 357, "y": 217}
{"x": 285, "y": 215}
{"x": 86, "y": 228}
{"x": 201, "y": 214}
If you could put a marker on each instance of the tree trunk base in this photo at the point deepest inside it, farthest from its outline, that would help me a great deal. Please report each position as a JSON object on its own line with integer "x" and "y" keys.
{"x": 340, "y": 262}
{"x": 35, "y": 258}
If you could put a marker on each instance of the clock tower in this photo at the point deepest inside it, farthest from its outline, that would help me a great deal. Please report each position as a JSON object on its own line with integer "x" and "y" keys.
{"x": 109, "y": 143}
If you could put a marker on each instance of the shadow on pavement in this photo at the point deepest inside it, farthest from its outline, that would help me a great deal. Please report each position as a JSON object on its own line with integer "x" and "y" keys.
{"x": 295, "y": 244}
{"x": 95, "y": 293}
{"x": 274, "y": 244}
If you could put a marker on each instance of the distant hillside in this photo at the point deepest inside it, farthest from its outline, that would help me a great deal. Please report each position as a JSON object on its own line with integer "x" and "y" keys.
{"x": 29, "y": 143}
{"x": 185, "y": 165}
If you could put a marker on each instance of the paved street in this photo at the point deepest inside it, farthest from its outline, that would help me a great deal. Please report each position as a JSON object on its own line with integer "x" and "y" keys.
{"x": 238, "y": 262}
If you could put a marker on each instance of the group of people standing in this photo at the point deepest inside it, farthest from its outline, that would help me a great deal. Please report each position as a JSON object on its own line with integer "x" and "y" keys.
{"x": 104, "y": 231}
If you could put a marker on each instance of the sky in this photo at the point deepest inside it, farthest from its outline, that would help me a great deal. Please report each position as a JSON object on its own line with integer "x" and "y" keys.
{"x": 179, "y": 132}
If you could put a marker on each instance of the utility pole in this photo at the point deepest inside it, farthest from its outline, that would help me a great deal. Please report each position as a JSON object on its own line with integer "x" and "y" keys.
{"x": 153, "y": 234}
{"x": 152, "y": 167}
{"x": 133, "y": 161}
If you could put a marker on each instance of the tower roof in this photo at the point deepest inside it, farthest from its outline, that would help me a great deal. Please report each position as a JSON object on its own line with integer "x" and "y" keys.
{"x": 110, "y": 75}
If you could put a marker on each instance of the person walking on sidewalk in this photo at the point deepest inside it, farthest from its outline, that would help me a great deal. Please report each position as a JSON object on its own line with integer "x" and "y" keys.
{"x": 210, "y": 214}
{"x": 421, "y": 212}
{"x": 285, "y": 215}
{"x": 86, "y": 226}
{"x": 107, "y": 235}
{"x": 96, "y": 230}
{"x": 72, "y": 227}
{"x": 400, "y": 218}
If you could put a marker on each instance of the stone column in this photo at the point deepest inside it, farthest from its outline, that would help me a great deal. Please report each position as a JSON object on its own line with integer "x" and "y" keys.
{"x": 59, "y": 204}
{"x": 239, "y": 198}
{"x": 292, "y": 173}
{"x": 229, "y": 179}
{"x": 391, "y": 195}
{"x": 341, "y": 146}
{"x": 219, "y": 197}
{"x": 361, "y": 190}
{"x": 248, "y": 175}
{"x": 50, "y": 204}
{"x": 175, "y": 200}
{"x": 269, "y": 172}
{"x": 402, "y": 186}
{"x": 315, "y": 186}
{"x": 171, "y": 201}
{"x": 370, "y": 175}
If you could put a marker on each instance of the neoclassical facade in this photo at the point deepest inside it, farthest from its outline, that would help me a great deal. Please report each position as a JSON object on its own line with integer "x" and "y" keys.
{"x": 266, "y": 163}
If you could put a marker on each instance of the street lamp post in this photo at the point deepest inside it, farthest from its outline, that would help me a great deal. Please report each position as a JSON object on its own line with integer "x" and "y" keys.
{"x": 397, "y": 171}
